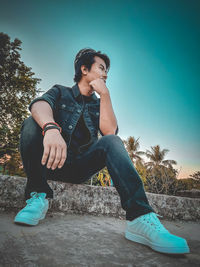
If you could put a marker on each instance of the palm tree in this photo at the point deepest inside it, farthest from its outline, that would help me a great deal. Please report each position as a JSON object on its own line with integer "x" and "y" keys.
{"x": 195, "y": 176}
{"x": 156, "y": 156}
{"x": 195, "y": 179}
{"x": 161, "y": 176}
{"x": 132, "y": 146}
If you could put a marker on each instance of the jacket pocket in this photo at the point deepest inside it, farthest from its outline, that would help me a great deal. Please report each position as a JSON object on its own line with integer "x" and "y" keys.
{"x": 64, "y": 113}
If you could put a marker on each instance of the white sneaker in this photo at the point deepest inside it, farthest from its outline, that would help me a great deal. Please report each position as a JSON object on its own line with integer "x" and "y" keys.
{"x": 148, "y": 230}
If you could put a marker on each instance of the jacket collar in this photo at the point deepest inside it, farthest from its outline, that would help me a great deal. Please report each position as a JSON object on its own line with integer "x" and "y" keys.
{"x": 76, "y": 93}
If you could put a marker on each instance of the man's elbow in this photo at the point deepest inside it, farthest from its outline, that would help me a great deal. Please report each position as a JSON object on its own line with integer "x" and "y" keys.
{"x": 114, "y": 132}
{"x": 39, "y": 104}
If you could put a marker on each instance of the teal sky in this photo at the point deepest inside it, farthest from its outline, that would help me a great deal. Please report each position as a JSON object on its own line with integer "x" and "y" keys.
{"x": 154, "y": 51}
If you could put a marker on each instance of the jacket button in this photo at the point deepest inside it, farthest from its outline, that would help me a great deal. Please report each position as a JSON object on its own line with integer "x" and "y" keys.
{"x": 79, "y": 110}
{"x": 97, "y": 113}
{"x": 63, "y": 105}
{"x": 70, "y": 127}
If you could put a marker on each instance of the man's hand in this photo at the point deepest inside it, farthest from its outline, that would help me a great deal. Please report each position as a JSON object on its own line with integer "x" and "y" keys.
{"x": 55, "y": 148}
{"x": 99, "y": 85}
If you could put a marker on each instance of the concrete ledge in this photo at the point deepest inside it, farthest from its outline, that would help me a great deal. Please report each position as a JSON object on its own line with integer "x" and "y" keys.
{"x": 81, "y": 198}
{"x": 194, "y": 193}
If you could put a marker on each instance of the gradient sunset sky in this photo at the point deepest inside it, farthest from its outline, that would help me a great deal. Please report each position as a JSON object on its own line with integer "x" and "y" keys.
{"x": 155, "y": 62}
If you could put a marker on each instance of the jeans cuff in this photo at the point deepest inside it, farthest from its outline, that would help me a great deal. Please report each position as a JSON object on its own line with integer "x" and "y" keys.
{"x": 28, "y": 192}
{"x": 130, "y": 217}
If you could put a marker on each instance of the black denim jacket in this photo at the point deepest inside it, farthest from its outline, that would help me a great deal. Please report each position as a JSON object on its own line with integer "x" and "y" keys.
{"x": 67, "y": 111}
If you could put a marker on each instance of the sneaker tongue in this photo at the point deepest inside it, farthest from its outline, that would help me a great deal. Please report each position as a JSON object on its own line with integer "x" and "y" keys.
{"x": 33, "y": 194}
{"x": 36, "y": 195}
{"x": 43, "y": 195}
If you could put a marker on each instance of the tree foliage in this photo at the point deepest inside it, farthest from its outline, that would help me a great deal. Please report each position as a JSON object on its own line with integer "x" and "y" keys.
{"x": 156, "y": 157}
{"x": 132, "y": 145}
{"x": 158, "y": 174}
{"x": 196, "y": 176}
{"x": 17, "y": 90}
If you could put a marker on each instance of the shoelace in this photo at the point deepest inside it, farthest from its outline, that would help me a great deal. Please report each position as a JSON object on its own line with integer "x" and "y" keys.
{"x": 154, "y": 221}
{"x": 34, "y": 196}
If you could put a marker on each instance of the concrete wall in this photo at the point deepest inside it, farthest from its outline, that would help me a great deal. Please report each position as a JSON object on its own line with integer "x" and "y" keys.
{"x": 194, "y": 193}
{"x": 81, "y": 198}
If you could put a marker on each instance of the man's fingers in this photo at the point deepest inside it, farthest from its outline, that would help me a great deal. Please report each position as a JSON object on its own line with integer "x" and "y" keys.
{"x": 54, "y": 154}
{"x": 51, "y": 156}
{"x": 57, "y": 158}
{"x": 63, "y": 158}
{"x": 45, "y": 154}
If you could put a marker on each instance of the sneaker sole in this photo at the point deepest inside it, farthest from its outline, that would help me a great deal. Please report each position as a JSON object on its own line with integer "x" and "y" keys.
{"x": 28, "y": 221}
{"x": 144, "y": 241}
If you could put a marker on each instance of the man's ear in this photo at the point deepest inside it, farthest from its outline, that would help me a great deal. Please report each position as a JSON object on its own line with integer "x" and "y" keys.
{"x": 84, "y": 69}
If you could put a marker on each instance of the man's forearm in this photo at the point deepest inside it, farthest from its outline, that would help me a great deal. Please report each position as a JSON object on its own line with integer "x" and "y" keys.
{"x": 42, "y": 113}
{"x": 108, "y": 122}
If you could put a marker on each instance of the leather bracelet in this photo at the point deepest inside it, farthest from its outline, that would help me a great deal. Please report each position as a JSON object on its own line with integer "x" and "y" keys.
{"x": 54, "y": 123}
{"x": 51, "y": 127}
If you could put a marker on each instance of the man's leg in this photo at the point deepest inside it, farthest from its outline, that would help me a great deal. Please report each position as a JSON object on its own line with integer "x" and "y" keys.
{"x": 143, "y": 226}
{"x": 31, "y": 150}
{"x": 109, "y": 151}
{"x": 37, "y": 189}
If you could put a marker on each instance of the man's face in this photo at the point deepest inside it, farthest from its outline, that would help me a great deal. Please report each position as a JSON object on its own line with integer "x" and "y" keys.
{"x": 97, "y": 70}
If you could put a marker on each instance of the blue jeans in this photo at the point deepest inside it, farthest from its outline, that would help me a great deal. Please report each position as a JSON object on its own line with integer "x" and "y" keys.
{"x": 107, "y": 151}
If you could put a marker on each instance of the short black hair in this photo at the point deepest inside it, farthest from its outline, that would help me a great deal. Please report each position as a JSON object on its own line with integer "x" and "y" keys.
{"x": 86, "y": 57}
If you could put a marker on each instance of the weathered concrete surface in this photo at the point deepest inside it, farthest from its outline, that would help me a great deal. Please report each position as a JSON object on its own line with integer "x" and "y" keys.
{"x": 81, "y": 198}
{"x": 87, "y": 240}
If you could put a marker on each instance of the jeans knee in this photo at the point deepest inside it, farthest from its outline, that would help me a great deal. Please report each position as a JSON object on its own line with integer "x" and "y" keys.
{"x": 111, "y": 137}
{"x": 31, "y": 133}
{"x": 111, "y": 140}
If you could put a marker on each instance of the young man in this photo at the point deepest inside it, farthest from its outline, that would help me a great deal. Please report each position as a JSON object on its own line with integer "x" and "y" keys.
{"x": 60, "y": 142}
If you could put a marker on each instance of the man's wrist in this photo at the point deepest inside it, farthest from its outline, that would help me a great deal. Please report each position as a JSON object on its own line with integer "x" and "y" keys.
{"x": 52, "y": 130}
{"x": 105, "y": 94}
{"x": 49, "y": 126}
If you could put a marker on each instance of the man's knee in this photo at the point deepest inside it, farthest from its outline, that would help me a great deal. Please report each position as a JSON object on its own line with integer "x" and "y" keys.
{"x": 111, "y": 139}
{"x": 31, "y": 132}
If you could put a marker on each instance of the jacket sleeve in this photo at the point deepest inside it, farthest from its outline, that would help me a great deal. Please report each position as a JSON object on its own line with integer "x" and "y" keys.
{"x": 50, "y": 97}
